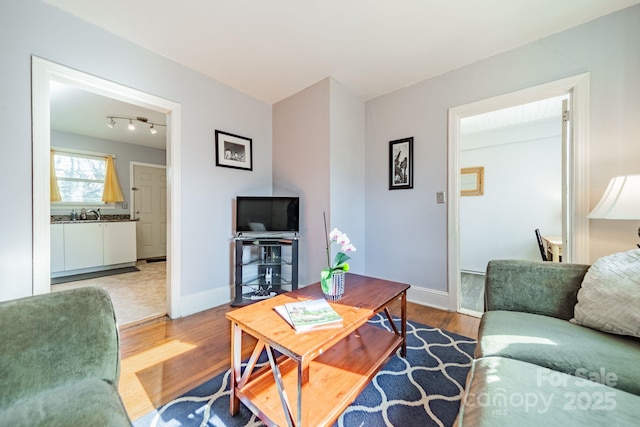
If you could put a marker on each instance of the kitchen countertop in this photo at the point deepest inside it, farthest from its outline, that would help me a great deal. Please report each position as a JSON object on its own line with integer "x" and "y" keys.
{"x": 64, "y": 219}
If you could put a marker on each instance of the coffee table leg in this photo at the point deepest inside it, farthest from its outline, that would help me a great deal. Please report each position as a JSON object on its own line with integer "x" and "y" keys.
{"x": 303, "y": 392}
{"x": 404, "y": 324}
{"x": 236, "y": 365}
{"x": 277, "y": 376}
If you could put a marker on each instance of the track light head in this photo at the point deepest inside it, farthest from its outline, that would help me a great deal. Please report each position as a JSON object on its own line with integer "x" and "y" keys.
{"x": 152, "y": 126}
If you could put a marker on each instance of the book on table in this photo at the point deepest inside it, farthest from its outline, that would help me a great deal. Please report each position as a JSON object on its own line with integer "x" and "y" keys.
{"x": 309, "y": 315}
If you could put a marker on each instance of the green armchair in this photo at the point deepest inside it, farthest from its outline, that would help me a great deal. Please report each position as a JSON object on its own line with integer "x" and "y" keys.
{"x": 59, "y": 363}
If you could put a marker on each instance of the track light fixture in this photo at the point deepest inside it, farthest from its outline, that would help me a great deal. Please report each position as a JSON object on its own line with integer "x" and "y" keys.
{"x": 131, "y": 126}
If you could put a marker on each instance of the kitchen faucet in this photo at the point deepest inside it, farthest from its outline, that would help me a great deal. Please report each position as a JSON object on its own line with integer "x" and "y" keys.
{"x": 96, "y": 212}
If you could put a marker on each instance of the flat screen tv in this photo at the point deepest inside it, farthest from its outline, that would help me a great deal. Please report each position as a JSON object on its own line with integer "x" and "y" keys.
{"x": 267, "y": 214}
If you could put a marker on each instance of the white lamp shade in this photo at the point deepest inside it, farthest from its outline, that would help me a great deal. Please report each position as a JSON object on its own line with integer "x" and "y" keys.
{"x": 621, "y": 200}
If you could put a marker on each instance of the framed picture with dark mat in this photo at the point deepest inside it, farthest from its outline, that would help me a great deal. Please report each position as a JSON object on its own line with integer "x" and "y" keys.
{"x": 401, "y": 164}
{"x": 233, "y": 151}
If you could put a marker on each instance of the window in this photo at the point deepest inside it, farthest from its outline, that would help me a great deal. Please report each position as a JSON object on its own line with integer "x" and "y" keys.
{"x": 80, "y": 177}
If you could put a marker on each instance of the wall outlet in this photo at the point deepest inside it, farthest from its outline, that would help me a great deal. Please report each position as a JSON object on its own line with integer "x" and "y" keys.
{"x": 440, "y": 197}
{"x": 125, "y": 205}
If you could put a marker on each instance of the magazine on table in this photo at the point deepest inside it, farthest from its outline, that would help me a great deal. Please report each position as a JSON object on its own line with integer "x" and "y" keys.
{"x": 309, "y": 315}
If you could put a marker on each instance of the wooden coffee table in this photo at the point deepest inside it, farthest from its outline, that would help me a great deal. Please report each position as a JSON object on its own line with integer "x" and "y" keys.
{"x": 319, "y": 373}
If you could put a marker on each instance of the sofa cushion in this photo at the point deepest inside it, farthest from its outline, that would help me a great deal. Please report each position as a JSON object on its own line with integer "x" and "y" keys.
{"x": 609, "y": 298}
{"x": 88, "y": 402}
{"x": 560, "y": 345}
{"x": 507, "y": 392}
{"x": 538, "y": 287}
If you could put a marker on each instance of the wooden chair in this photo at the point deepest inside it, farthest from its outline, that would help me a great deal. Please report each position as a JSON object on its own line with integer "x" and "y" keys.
{"x": 543, "y": 250}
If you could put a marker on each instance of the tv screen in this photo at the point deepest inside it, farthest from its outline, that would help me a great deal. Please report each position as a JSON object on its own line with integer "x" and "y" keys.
{"x": 267, "y": 214}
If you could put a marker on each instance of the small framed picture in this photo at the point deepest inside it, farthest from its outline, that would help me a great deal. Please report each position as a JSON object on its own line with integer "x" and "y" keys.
{"x": 401, "y": 164}
{"x": 233, "y": 151}
{"x": 472, "y": 181}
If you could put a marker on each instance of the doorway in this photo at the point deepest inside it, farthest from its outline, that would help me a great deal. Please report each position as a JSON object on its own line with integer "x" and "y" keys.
{"x": 516, "y": 155}
{"x": 573, "y": 182}
{"x": 43, "y": 73}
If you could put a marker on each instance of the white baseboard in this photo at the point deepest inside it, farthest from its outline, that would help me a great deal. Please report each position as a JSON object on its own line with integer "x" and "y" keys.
{"x": 428, "y": 297}
{"x": 195, "y": 303}
{"x": 201, "y": 301}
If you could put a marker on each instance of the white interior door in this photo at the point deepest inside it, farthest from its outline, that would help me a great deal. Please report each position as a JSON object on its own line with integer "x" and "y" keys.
{"x": 150, "y": 208}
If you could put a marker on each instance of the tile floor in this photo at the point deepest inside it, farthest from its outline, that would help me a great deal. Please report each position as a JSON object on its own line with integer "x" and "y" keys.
{"x": 137, "y": 297}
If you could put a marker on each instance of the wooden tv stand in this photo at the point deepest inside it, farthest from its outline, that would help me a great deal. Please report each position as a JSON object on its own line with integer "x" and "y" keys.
{"x": 319, "y": 373}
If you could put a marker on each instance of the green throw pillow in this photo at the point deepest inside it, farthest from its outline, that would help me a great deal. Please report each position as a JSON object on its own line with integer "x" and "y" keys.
{"x": 609, "y": 298}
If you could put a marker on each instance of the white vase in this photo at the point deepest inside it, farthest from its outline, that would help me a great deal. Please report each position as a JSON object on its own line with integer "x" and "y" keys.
{"x": 336, "y": 287}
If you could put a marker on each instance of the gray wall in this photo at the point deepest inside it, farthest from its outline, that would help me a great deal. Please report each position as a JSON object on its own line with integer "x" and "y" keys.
{"x": 31, "y": 27}
{"x": 301, "y": 159}
{"x": 522, "y": 192}
{"x": 347, "y": 171}
{"x": 405, "y": 229}
{"x": 408, "y": 230}
{"x": 318, "y": 153}
{"x": 125, "y": 153}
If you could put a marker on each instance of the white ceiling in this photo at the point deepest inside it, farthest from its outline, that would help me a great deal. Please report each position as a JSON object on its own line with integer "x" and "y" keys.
{"x": 81, "y": 112}
{"x": 273, "y": 49}
{"x": 513, "y": 116}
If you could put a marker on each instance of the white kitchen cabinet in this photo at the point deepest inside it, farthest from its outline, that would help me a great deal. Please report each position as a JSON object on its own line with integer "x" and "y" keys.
{"x": 119, "y": 242}
{"x": 57, "y": 248}
{"x": 91, "y": 246}
{"x": 83, "y": 245}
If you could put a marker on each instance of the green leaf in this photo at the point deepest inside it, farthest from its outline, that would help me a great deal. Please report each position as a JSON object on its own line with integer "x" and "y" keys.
{"x": 325, "y": 278}
{"x": 341, "y": 258}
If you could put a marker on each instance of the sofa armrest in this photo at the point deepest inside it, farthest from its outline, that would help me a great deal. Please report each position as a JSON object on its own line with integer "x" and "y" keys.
{"x": 54, "y": 339}
{"x": 547, "y": 288}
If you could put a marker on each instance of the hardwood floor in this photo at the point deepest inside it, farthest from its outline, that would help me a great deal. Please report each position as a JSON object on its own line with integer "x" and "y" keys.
{"x": 165, "y": 358}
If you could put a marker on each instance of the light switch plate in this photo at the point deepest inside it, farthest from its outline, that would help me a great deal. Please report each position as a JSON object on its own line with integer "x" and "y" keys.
{"x": 125, "y": 205}
{"x": 440, "y": 197}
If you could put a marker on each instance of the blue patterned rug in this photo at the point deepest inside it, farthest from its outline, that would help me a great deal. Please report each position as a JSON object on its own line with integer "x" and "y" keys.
{"x": 423, "y": 389}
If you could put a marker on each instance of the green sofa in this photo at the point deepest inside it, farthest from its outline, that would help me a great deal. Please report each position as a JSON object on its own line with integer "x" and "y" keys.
{"x": 533, "y": 367}
{"x": 59, "y": 361}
